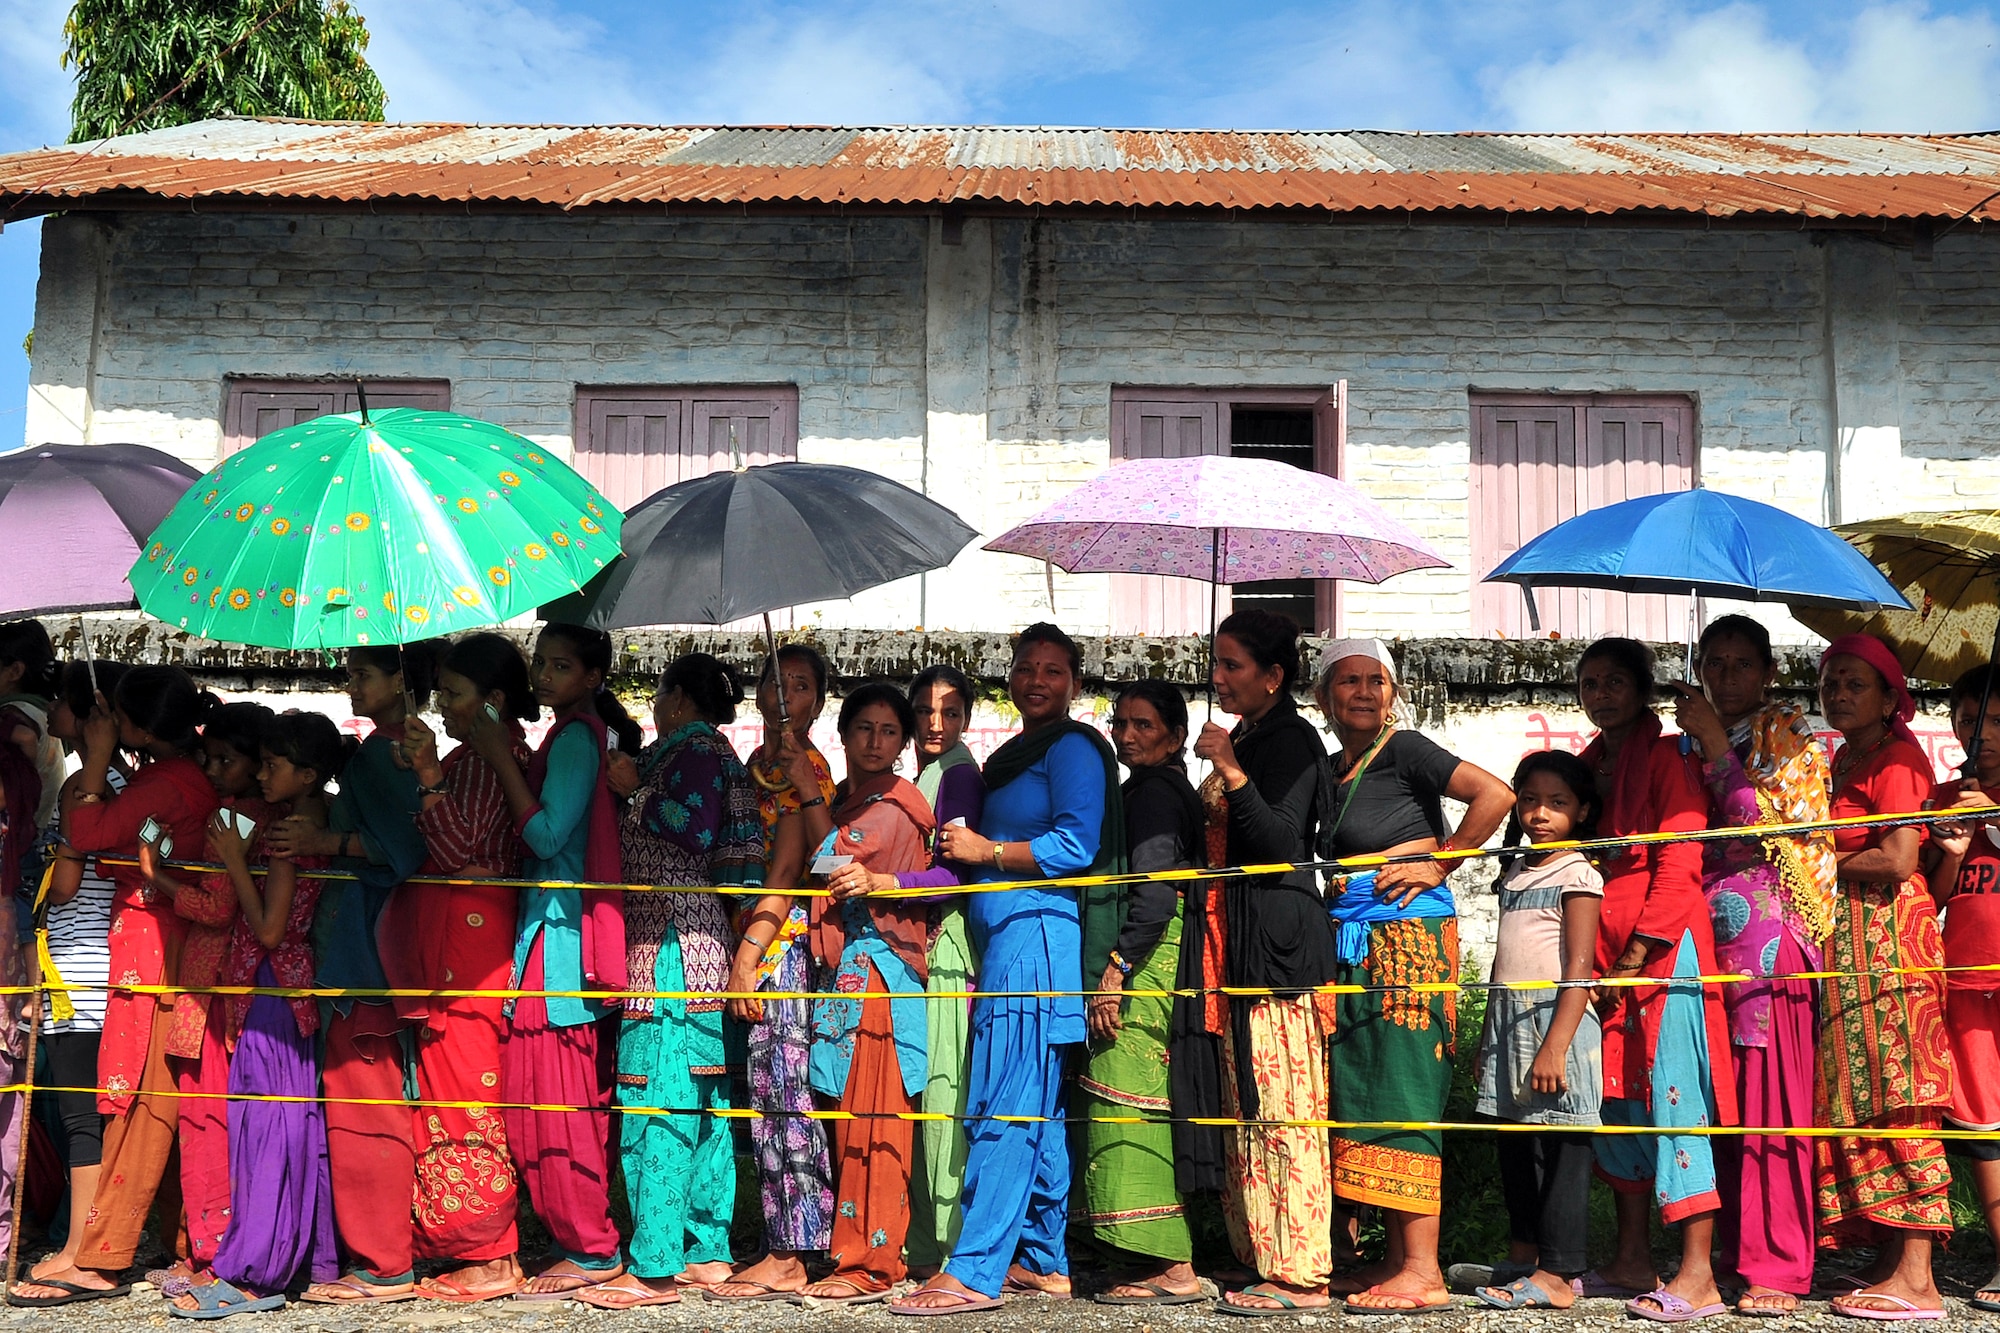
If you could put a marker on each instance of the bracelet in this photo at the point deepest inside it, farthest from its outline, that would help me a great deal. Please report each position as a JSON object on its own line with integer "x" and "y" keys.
{"x": 998, "y": 848}
{"x": 1118, "y": 961}
{"x": 89, "y": 797}
{"x": 430, "y": 791}
{"x": 817, "y": 800}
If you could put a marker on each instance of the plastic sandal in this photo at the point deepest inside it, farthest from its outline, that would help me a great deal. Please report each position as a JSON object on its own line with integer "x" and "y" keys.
{"x": 1904, "y": 1309}
{"x": 1672, "y": 1309}
{"x": 220, "y": 1300}
{"x": 72, "y": 1293}
{"x": 1285, "y": 1305}
{"x": 969, "y": 1302}
{"x": 615, "y": 1295}
{"x": 1161, "y": 1296}
{"x": 1520, "y": 1294}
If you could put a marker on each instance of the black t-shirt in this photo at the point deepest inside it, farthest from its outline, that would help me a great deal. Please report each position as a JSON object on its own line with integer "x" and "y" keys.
{"x": 1397, "y": 800}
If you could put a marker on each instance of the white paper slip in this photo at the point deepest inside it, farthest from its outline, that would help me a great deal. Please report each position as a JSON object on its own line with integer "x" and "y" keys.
{"x": 826, "y": 865}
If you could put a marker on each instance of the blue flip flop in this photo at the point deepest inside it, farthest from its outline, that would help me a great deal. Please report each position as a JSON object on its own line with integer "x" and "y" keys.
{"x": 219, "y": 1300}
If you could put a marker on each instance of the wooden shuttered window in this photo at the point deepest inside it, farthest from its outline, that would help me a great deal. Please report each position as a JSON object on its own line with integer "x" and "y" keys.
{"x": 631, "y": 442}
{"x": 1305, "y": 427}
{"x": 1540, "y": 459}
{"x": 256, "y": 407}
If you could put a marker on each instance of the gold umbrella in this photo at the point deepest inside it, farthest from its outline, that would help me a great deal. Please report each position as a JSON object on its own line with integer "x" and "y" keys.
{"x": 1948, "y": 566}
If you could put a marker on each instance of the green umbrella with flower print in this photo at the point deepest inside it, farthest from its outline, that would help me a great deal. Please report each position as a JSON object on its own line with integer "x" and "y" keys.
{"x": 358, "y": 529}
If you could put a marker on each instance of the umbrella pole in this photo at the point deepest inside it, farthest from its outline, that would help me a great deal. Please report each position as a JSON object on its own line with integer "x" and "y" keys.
{"x": 1214, "y": 579}
{"x": 89, "y": 657}
{"x": 777, "y": 677}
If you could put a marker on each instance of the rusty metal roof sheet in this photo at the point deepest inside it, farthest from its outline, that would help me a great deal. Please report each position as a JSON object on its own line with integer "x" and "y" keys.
{"x": 1811, "y": 176}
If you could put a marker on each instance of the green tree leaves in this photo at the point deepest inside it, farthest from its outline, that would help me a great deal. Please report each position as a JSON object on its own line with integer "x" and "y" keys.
{"x": 149, "y": 64}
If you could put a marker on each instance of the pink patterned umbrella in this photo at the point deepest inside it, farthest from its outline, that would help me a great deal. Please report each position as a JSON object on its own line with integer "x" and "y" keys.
{"x": 1221, "y": 520}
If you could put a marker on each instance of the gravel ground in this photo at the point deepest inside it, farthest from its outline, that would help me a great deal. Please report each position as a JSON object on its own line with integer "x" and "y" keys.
{"x": 144, "y": 1310}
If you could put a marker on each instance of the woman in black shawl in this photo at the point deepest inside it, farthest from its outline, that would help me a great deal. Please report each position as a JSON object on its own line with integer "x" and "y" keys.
{"x": 1262, "y": 804}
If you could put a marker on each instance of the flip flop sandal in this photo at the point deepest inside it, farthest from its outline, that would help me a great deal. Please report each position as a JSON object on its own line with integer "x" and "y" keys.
{"x": 72, "y": 1294}
{"x": 1905, "y": 1309}
{"x": 1520, "y": 1294}
{"x": 1979, "y": 1301}
{"x": 1285, "y": 1306}
{"x": 1349, "y": 1307}
{"x": 580, "y": 1279}
{"x": 365, "y": 1292}
{"x": 764, "y": 1291}
{"x": 1161, "y": 1296}
{"x": 629, "y": 1298}
{"x": 457, "y": 1293}
{"x": 219, "y": 1300}
{"x": 1672, "y": 1309}
{"x": 860, "y": 1295}
{"x": 969, "y": 1302}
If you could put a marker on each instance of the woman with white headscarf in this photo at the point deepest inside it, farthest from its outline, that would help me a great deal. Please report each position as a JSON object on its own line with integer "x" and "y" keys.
{"x": 1398, "y": 926}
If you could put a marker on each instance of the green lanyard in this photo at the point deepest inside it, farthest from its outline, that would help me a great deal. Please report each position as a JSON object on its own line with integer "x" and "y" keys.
{"x": 1354, "y": 783}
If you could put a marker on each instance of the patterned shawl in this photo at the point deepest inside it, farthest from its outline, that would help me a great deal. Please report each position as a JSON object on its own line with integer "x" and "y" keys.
{"x": 1792, "y": 779}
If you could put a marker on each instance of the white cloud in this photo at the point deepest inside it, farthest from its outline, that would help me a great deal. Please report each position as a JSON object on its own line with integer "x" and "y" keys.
{"x": 1888, "y": 68}
{"x": 508, "y": 61}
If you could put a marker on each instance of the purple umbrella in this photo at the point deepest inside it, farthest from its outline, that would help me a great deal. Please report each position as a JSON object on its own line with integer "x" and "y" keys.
{"x": 73, "y": 518}
{"x": 1222, "y": 520}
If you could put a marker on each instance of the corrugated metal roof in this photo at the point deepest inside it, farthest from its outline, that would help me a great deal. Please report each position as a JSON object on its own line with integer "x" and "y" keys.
{"x": 1719, "y": 175}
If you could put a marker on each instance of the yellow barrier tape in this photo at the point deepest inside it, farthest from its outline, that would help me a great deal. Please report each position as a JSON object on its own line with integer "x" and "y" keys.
{"x": 1349, "y": 864}
{"x": 1223, "y": 1122}
{"x": 1239, "y": 992}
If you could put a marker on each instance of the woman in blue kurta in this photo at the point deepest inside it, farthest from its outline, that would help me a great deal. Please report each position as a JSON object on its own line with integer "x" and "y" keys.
{"x": 560, "y": 1049}
{"x": 1052, "y": 811}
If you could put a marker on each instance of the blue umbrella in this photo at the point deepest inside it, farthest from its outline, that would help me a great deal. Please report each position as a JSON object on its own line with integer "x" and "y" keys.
{"x": 1700, "y": 542}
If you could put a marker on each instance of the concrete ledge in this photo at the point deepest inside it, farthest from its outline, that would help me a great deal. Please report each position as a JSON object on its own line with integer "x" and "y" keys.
{"x": 1476, "y": 672}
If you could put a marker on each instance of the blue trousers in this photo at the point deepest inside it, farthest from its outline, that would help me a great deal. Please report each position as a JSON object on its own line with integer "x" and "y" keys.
{"x": 1017, "y": 1176}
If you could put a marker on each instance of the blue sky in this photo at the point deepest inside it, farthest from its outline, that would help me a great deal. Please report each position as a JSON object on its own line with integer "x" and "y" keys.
{"x": 1415, "y": 64}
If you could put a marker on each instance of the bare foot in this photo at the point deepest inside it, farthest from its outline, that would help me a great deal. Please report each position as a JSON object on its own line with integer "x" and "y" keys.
{"x": 1273, "y": 1295}
{"x": 628, "y": 1291}
{"x": 1407, "y": 1290}
{"x": 1044, "y": 1284}
{"x": 842, "y": 1287}
{"x": 1179, "y": 1279}
{"x": 774, "y": 1272}
{"x": 1887, "y": 1296}
{"x": 495, "y": 1275}
{"x": 1766, "y": 1300}
{"x": 566, "y": 1276}
{"x": 702, "y": 1276}
{"x": 74, "y": 1276}
{"x": 943, "y": 1292}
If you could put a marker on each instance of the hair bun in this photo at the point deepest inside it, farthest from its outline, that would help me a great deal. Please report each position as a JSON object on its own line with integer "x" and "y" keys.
{"x": 205, "y": 704}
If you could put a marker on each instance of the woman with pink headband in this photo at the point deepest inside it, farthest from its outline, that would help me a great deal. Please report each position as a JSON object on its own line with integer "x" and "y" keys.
{"x": 1883, "y": 1058}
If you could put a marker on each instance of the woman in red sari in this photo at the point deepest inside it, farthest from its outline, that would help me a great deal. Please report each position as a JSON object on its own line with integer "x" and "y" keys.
{"x": 1884, "y": 1060}
{"x": 461, "y": 937}
{"x": 1666, "y": 1050}
{"x": 157, "y": 713}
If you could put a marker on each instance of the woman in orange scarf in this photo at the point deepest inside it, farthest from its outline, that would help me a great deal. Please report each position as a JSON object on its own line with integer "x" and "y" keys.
{"x": 870, "y": 1053}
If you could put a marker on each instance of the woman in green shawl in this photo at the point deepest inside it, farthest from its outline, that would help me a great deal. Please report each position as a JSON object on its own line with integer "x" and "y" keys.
{"x": 1130, "y": 1199}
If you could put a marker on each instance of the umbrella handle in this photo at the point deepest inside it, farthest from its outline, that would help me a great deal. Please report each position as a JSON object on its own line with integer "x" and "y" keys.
{"x": 777, "y": 677}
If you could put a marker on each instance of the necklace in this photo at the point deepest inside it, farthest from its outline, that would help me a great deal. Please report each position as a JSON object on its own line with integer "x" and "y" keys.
{"x": 1851, "y": 759}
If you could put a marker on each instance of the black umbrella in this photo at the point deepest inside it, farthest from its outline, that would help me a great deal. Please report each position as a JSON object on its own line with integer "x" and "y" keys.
{"x": 745, "y": 543}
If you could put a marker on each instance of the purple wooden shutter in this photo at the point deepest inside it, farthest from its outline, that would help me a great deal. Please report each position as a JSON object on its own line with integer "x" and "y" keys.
{"x": 1644, "y": 447}
{"x": 1164, "y": 428}
{"x": 630, "y": 446}
{"x": 255, "y": 408}
{"x": 1539, "y": 461}
{"x": 749, "y": 430}
{"x": 1522, "y": 456}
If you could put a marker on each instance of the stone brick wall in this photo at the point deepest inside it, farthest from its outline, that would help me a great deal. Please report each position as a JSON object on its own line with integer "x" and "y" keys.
{"x": 982, "y": 367}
